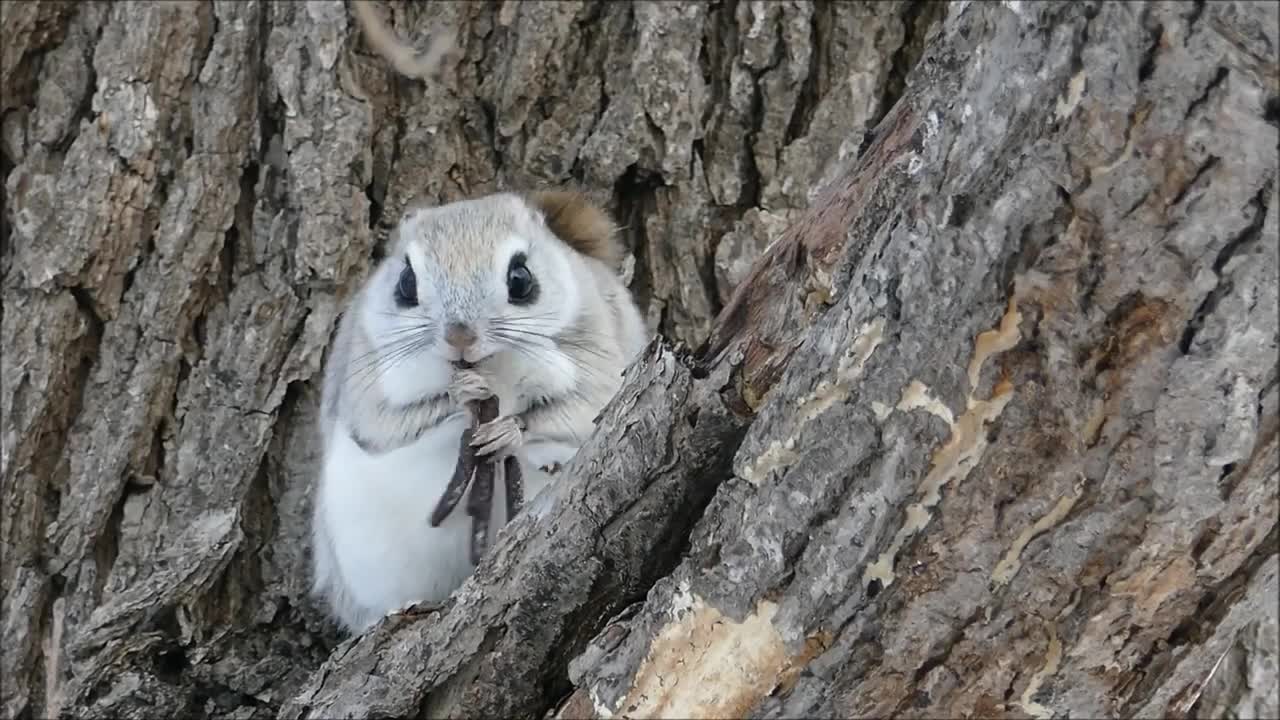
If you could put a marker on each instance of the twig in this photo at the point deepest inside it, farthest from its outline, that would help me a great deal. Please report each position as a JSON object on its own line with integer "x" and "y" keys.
{"x": 479, "y": 476}
{"x": 402, "y": 56}
{"x": 462, "y": 473}
{"x": 513, "y": 476}
{"x": 480, "y": 501}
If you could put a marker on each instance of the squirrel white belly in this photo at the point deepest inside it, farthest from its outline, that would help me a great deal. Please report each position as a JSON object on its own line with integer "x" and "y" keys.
{"x": 526, "y": 290}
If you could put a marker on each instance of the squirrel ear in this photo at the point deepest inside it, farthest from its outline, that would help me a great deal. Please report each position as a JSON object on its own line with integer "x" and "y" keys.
{"x": 581, "y": 224}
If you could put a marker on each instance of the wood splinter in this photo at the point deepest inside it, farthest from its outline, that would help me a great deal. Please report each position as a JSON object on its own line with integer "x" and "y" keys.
{"x": 479, "y": 476}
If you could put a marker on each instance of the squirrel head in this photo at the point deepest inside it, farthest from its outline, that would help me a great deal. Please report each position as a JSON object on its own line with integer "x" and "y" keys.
{"x": 470, "y": 278}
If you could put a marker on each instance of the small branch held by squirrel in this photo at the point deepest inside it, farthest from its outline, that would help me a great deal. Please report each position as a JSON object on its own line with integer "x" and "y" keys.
{"x": 401, "y": 55}
{"x": 480, "y": 477}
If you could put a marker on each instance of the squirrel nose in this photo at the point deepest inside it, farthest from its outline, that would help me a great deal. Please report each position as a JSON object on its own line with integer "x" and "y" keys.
{"x": 460, "y": 336}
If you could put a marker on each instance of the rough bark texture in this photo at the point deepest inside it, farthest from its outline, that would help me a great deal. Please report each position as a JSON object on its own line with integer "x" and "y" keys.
{"x": 984, "y": 422}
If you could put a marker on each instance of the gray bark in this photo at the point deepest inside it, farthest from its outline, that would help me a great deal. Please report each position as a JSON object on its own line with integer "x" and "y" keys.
{"x": 983, "y": 421}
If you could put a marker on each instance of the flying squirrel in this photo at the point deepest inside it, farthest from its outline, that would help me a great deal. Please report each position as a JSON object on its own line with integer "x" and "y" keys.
{"x": 513, "y": 295}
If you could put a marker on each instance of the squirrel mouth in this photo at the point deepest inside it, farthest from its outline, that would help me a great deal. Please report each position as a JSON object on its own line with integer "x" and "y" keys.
{"x": 460, "y": 362}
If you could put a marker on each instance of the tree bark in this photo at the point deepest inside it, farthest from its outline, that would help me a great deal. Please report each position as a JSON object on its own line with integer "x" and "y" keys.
{"x": 983, "y": 420}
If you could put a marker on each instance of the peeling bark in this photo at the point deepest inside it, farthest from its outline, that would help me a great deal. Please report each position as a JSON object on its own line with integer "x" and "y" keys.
{"x": 983, "y": 422}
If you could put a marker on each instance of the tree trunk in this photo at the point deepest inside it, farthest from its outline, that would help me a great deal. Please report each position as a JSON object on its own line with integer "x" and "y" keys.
{"x": 984, "y": 420}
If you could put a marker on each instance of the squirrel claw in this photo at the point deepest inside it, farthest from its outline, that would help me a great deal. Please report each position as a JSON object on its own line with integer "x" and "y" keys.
{"x": 468, "y": 386}
{"x": 498, "y": 438}
{"x": 552, "y": 468}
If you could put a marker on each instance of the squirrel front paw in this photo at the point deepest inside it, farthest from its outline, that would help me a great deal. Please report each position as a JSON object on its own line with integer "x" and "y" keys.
{"x": 467, "y": 386}
{"x": 499, "y": 437}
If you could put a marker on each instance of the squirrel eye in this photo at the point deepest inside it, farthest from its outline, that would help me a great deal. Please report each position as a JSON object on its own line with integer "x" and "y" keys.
{"x": 521, "y": 288}
{"x": 407, "y": 287}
